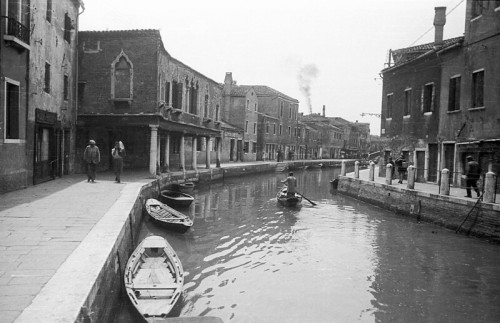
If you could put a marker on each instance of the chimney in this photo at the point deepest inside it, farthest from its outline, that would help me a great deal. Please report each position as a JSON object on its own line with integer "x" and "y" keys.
{"x": 439, "y": 22}
{"x": 324, "y": 111}
{"x": 228, "y": 80}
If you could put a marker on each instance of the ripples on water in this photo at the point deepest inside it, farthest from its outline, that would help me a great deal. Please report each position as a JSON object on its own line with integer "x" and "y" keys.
{"x": 247, "y": 259}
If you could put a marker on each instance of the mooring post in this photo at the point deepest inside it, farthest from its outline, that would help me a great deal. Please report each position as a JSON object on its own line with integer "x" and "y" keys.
{"x": 445, "y": 182}
{"x": 489, "y": 186}
{"x": 371, "y": 176}
{"x": 356, "y": 169}
{"x": 411, "y": 177}
{"x": 342, "y": 169}
{"x": 388, "y": 174}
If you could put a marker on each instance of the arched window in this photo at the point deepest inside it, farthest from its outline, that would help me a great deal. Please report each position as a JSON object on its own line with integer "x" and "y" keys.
{"x": 122, "y": 75}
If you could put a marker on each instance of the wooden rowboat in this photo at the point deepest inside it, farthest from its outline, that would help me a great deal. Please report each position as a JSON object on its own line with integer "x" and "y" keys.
{"x": 176, "y": 199}
{"x": 167, "y": 216}
{"x": 154, "y": 278}
{"x": 285, "y": 200}
{"x": 187, "y": 187}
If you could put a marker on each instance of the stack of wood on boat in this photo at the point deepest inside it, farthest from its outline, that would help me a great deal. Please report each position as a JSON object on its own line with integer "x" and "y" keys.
{"x": 154, "y": 278}
{"x": 285, "y": 200}
{"x": 176, "y": 198}
{"x": 166, "y": 216}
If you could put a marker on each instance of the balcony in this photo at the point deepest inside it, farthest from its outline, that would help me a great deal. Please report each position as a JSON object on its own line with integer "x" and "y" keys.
{"x": 16, "y": 33}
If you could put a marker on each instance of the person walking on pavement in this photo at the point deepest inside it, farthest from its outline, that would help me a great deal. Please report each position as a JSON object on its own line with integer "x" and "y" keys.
{"x": 291, "y": 183}
{"x": 118, "y": 152}
{"x": 472, "y": 174}
{"x": 92, "y": 157}
{"x": 400, "y": 162}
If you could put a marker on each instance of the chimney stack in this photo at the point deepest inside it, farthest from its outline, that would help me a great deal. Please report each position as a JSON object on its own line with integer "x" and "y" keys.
{"x": 439, "y": 22}
{"x": 229, "y": 78}
{"x": 324, "y": 115}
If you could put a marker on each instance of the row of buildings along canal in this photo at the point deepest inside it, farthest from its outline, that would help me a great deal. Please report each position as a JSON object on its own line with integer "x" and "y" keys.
{"x": 62, "y": 87}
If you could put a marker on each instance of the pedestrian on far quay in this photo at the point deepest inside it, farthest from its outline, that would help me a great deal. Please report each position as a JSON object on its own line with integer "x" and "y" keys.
{"x": 92, "y": 157}
{"x": 472, "y": 175}
{"x": 118, "y": 152}
{"x": 400, "y": 163}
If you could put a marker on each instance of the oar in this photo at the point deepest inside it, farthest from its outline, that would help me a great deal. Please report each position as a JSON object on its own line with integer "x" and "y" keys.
{"x": 306, "y": 198}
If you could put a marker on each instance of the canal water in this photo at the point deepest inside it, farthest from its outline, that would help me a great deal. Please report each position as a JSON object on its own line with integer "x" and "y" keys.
{"x": 247, "y": 259}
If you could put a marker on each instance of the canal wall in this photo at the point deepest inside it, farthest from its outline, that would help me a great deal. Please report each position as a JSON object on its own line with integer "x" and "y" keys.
{"x": 481, "y": 219}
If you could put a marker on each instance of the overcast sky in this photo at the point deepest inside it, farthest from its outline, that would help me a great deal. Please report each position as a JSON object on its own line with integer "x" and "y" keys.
{"x": 337, "y": 48}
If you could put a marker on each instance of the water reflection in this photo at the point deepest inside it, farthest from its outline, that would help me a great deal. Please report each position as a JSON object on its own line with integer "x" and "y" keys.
{"x": 247, "y": 259}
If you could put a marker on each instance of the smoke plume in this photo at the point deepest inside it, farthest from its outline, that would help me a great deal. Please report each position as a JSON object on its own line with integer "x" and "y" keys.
{"x": 306, "y": 75}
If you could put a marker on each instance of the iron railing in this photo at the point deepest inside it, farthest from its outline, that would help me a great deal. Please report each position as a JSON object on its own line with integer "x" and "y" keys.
{"x": 16, "y": 29}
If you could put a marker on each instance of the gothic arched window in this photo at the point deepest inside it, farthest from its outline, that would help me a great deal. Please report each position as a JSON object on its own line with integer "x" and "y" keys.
{"x": 122, "y": 75}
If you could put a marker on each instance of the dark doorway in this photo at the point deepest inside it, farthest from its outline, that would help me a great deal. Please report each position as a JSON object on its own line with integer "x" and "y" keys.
{"x": 420, "y": 165}
{"x": 231, "y": 150}
{"x": 433, "y": 162}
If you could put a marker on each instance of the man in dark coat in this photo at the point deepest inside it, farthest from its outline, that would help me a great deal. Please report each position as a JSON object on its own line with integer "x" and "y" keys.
{"x": 472, "y": 173}
{"x": 92, "y": 157}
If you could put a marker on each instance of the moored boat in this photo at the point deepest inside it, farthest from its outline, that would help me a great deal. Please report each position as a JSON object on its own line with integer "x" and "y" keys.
{"x": 315, "y": 166}
{"x": 286, "y": 200}
{"x": 154, "y": 278}
{"x": 186, "y": 187}
{"x": 167, "y": 216}
{"x": 176, "y": 199}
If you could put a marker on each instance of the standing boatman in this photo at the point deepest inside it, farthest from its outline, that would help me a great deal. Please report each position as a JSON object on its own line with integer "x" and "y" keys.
{"x": 291, "y": 183}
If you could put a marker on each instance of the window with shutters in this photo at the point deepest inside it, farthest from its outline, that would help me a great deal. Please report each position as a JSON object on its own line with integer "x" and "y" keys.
{"x": 454, "y": 94}
{"x": 389, "y": 106}
{"x": 68, "y": 27}
{"x": 46, "y": 86}
{"x": 407, "y": 104}
{"x": 478, "y": 89}
{"x": 12, "y": 110}
{"x": 428, "y": 98}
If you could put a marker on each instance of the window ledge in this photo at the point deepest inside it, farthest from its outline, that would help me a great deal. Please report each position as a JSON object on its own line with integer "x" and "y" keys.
{"x": 388, "y": 119}
{"x": 453, "y": 111}
{"x": 14, "y": 141}
{"x": 477, "y": 109}
{"x": 427, "y": 113}
{"x": 407, "y": 116}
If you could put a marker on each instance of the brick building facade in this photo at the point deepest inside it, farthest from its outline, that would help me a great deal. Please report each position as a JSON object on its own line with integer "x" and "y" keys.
{"x": 132, "y": 90}
{"x": 440, "y": 99}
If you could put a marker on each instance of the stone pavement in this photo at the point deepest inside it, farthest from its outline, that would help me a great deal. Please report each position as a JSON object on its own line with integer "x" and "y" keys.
{"x": 425, "y": 187}
{"x": 42, "y": 225}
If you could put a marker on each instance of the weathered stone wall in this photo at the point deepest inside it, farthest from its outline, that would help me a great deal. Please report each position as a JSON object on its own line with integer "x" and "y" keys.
{"x": 447, "y": 211}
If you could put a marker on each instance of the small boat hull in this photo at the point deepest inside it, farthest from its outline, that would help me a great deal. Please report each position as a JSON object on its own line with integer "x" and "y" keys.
{"x": 187, "y": 187}
{"x": 176, "y": 199}
{"x": 154, "y": 278}
{"x": 290, "y": 201}
{"x": 166, "y": 216}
